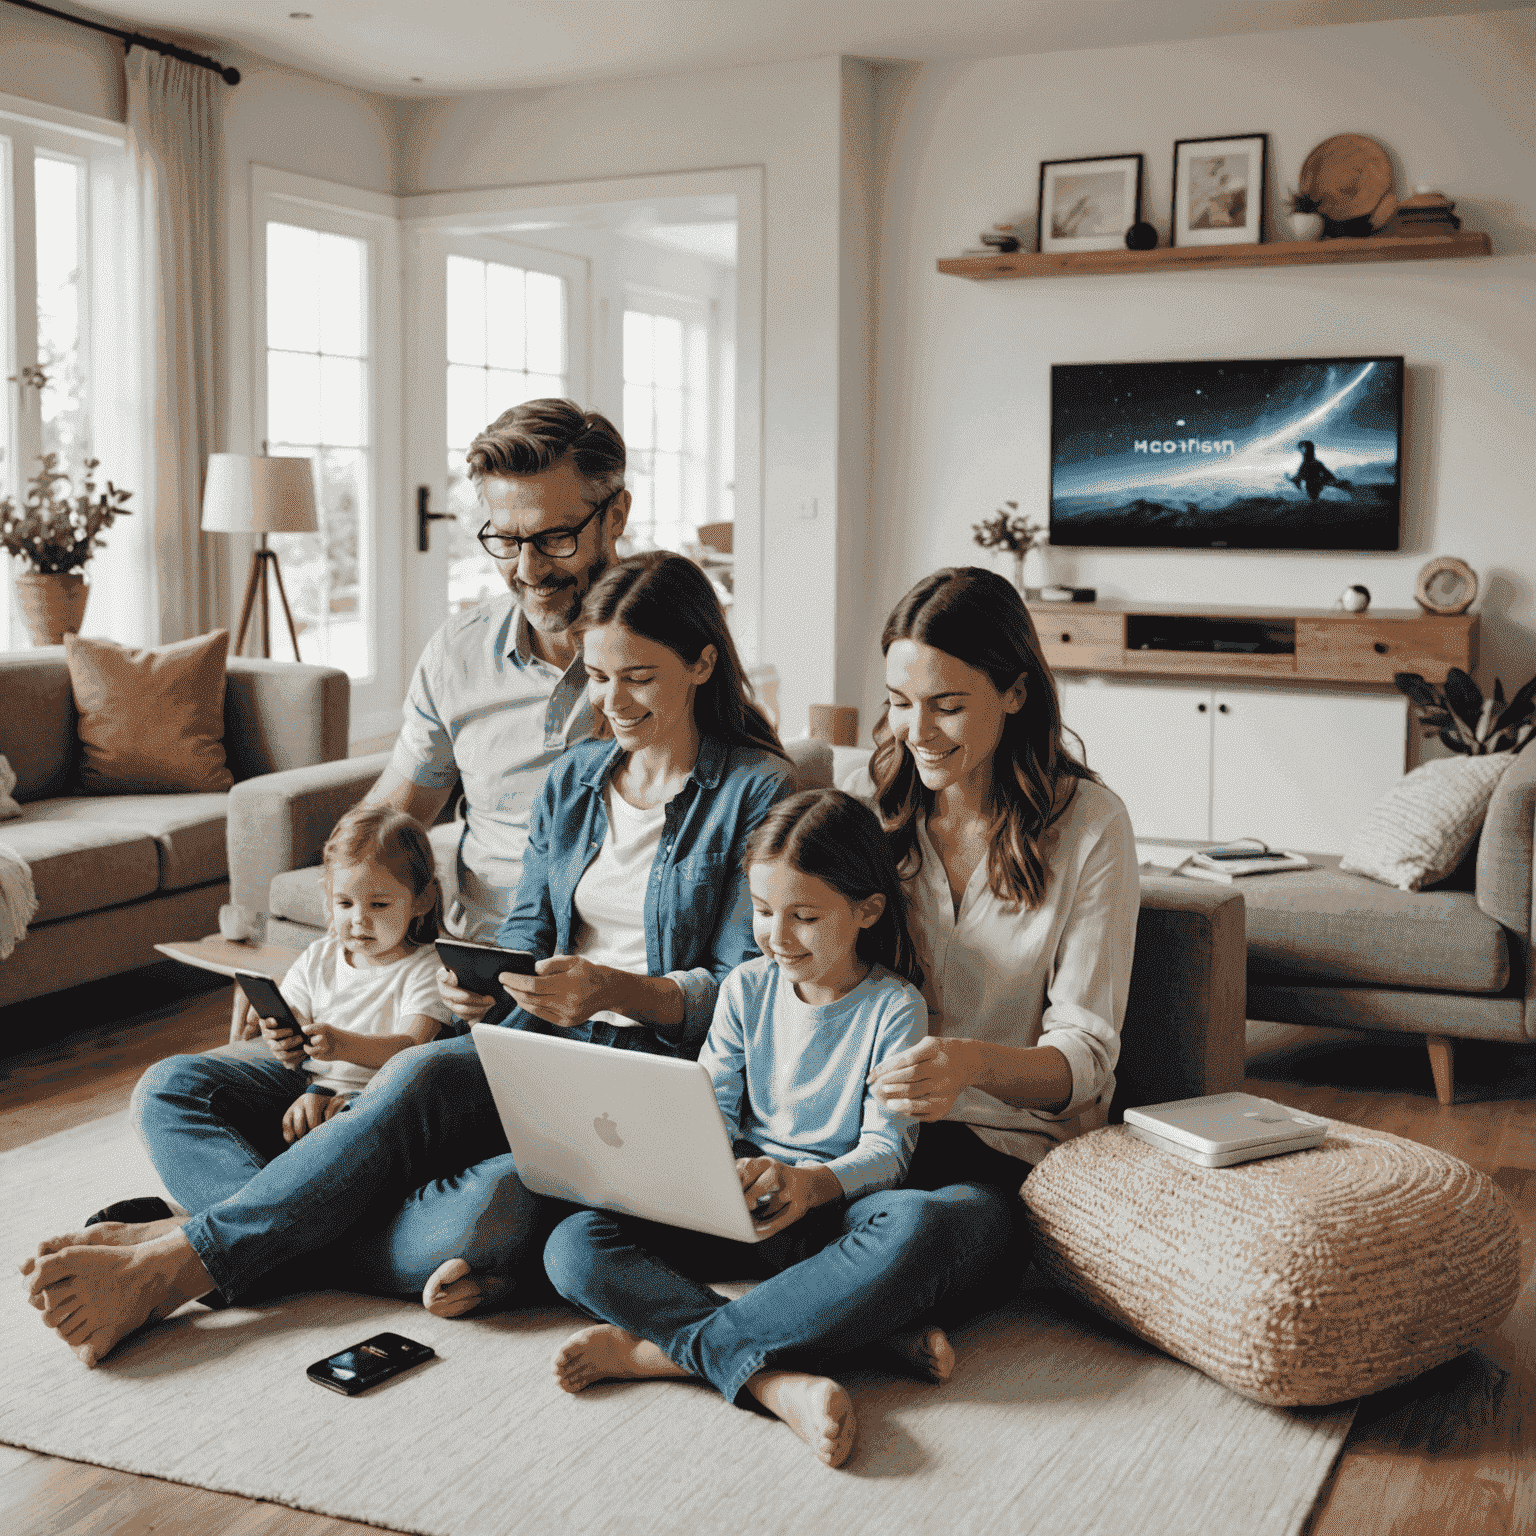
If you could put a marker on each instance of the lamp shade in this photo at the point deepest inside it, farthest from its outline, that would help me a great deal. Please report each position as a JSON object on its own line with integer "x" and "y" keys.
{"x": 246, "y": 494}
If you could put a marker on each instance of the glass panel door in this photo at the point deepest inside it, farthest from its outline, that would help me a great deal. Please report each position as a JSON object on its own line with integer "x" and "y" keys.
{"x": 491, "y": 324}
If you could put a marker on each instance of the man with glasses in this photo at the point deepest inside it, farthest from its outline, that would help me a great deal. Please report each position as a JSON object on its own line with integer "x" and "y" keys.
{"x": 500, "y": 690}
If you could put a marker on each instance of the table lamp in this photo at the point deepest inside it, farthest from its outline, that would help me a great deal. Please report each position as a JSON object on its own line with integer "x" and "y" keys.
{"x": 248, "y": 494}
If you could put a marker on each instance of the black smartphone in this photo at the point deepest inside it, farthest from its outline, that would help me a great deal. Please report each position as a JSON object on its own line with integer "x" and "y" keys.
{"x": 1243, "y": 853}
{"x": 367, "y": 1364}
{"x": 478, "y": 965}
{"x": 262, "y": 994}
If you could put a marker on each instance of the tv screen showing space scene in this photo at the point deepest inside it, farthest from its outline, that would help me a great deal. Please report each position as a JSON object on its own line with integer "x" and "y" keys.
{"x": 1251, "y": 454}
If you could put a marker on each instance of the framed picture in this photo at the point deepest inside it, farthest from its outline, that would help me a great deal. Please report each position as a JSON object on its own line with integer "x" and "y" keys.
{"x": 1087, "y": 205}
{"x": 1218, "y": 191}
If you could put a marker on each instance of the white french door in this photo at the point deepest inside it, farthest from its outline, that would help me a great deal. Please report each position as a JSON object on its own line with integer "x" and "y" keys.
{"x": 490, "y": 324}
{"x": 325, "y": 287}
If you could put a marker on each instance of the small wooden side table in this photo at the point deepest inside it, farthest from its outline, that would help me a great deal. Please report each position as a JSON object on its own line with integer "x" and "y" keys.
{"x": 216, "y": 953}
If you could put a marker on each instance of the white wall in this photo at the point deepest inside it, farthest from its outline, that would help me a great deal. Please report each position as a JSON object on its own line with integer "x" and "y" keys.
{"x": 962, "y": 402}
{"x": 789, "y": 119}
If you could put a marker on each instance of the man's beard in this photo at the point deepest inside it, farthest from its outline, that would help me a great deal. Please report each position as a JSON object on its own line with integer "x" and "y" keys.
{"x": 578, "y": 587}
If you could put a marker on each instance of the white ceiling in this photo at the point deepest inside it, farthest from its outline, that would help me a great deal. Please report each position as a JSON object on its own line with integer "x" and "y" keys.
{"x": 451, "y": 47}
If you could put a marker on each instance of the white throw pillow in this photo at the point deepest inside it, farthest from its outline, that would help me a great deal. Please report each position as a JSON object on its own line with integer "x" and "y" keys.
{"x": 8, "y": 806}
{"x": 1418, "y": 832}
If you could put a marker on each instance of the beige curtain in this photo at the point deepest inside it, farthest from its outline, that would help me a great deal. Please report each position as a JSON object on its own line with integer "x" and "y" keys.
{"x": 174, "y": 112}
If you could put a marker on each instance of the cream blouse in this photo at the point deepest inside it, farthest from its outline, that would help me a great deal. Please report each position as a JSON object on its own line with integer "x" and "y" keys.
{"x": 1057, "y": 975}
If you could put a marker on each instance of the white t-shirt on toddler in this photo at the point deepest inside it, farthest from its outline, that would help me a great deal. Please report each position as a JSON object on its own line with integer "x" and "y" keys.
{"x": 370, "y": 999}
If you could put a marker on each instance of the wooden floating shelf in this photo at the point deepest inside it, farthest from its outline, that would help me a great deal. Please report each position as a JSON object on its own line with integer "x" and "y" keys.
{"x": 1301, "y": 645}
{"x": 1177, "y": 258}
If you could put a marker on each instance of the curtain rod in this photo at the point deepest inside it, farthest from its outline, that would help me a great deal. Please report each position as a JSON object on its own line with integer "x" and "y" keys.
{"x": 130, "y": 39}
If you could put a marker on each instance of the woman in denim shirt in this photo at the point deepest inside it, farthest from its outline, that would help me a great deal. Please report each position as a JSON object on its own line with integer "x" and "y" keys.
{"x": 414, "y": 1190}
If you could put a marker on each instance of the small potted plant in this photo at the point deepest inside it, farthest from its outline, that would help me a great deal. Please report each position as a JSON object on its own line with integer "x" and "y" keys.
{"x": 1012, "y": 531}
{"x": 54, "y": 533}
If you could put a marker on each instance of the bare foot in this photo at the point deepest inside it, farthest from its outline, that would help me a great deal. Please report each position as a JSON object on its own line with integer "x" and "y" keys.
{"x": 455, "y": 1289}
{"x": 93, "y": 1297}
{"x": 815, "y": 1407}
{"x": 604, "y": 1352}
{"x": 111, "y": 1234}
{"x": 927, "y": 1350}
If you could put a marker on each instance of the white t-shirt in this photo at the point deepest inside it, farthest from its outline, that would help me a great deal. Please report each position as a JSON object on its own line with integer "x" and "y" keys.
{"x": 610, "y": 897}
{"x": 371, "y": 999}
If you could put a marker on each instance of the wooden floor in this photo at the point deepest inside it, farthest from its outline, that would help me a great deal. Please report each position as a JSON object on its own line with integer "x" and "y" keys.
{"x": 1452, "y": 1452}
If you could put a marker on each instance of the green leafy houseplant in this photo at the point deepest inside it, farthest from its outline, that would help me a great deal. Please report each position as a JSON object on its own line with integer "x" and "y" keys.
{"x": 56, "y": 531}
{"x": 1464, "y": 720}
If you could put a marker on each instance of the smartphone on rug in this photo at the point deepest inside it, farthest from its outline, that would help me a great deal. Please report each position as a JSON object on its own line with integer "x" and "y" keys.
{"x": 262, "y": 994}
{"x": 367, "y": 1364}
{"x": 478, "y": 965}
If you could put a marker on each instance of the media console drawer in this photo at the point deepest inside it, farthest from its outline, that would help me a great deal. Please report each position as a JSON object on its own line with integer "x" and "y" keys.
{"x": 1078, "y": 641}
{"x": 1367, "y": 649}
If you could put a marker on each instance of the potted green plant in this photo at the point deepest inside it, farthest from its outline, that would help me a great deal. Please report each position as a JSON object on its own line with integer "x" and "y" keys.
{"x": 1012, "y": 531}
{"x": 1464, "y": 720}
{"x": 54, "y": 533}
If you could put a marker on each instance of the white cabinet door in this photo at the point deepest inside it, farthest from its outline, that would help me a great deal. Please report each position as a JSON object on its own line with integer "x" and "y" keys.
{"x": 1151, "y": 744}
{"x": 1302, "y": 769}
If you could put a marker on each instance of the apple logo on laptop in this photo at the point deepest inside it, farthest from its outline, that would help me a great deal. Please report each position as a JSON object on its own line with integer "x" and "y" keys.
{"x": 608, "y": 1131}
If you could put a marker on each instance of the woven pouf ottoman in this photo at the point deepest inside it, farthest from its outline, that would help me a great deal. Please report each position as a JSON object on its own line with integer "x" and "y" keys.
{"x": 1298, "y": 1280}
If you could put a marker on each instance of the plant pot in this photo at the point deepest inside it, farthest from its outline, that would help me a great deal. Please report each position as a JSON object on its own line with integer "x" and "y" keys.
{"x": 53, "y": 605}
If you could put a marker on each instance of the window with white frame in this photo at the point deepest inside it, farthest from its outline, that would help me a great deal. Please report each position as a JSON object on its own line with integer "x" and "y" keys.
{"x": 319, "y": 364}
{"x": 64, "y": 330}
{"x": 666, "y": 417}
{"x": 506, "y": 344}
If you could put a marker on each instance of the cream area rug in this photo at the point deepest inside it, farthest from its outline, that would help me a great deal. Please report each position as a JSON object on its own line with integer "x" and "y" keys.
{"x": 1053, "y": 1423}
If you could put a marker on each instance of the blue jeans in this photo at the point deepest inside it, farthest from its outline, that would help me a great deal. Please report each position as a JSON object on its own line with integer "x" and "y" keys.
{"x": 414, "y": 1172}
{"x": 890, "y": 1261}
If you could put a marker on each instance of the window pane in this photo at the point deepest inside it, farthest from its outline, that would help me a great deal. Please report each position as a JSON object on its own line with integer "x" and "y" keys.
{"x": 293, "y": 300}
{"x": 546, "y": 323}
{"x": 544, "y": 386}
{"x": 323, "y": 573}
{"x": 466, "y": 405}
{"x": 639, "y": 433}
{"x": 60, "y": 257}
{"x": 638, "y": 346}
{"x": 341, "y": 403}
{"x": 466, "y": 310}
{"x": 293, "y": 397}
{"x": 472, "y": 574}
{"x": 669, "y": 352}
{"x": 669, "y": 420}
{"x": 340, "y": 291}
{"x": 504, "y": 337}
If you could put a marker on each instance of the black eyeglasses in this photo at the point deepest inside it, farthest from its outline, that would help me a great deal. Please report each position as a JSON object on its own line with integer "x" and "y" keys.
{"x": 553, "y": 543}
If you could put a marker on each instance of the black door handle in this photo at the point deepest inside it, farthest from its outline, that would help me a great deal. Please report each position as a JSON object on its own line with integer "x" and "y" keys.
{"x": 424, "y": 517}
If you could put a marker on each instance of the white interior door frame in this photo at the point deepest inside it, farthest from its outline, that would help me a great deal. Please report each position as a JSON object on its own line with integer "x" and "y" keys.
{"x": 485, "y": 210}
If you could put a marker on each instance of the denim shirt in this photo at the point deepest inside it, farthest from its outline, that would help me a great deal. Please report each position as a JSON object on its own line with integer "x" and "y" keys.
{"x": 698, "y": 910}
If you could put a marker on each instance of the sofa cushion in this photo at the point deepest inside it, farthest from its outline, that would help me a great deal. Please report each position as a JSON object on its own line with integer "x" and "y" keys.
{"x": 1297, "y": 1280}
{"x": 298, "y": 896}
{"x": 82, "y": 866}
{"x": 1420, "y": 830}
{"x": 1322, "y": 925}
{"x": 37, "y": 723}
{"x": 188, "y": 830}
{"x": 152, "y": 720}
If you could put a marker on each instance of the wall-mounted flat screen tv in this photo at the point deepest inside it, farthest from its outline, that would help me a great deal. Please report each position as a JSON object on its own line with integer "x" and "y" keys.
{"x": 1272, "y": 453}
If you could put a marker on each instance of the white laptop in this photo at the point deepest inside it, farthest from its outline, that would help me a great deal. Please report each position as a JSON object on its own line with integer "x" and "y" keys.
{"x": 1225, "y": 1128}
{"x": 623, "y": 1130}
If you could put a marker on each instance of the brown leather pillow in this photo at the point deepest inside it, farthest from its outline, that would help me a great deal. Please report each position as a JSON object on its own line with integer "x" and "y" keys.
{"x": 151, "y": 721}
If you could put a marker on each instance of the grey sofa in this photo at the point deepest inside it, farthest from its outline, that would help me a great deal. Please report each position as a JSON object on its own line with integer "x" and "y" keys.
{"x": 117, "y": 874}
{"x": 1327, "y": 948}
{"x": 1183, "y": 1034}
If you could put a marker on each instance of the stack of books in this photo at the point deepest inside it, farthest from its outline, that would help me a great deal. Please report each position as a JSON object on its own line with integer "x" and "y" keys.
{"x": 1425, "y": 213}
{"x": 1223, "y": 862}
